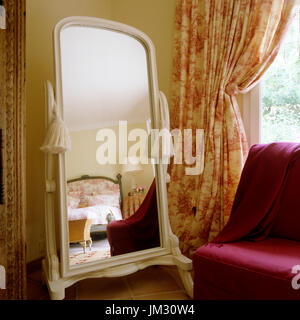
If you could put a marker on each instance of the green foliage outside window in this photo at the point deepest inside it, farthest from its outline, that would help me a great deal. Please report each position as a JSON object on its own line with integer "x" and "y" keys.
{"x": 281, "y": 91}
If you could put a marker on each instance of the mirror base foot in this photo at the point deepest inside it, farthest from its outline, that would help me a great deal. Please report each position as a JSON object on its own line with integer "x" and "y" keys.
{"x": 187, "y": 281}
{"x": 57, "y": 295}
{"x": 56, "y": 288}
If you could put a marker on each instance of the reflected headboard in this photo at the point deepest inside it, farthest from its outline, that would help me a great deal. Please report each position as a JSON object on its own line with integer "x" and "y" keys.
{"x": 97, "y": 185}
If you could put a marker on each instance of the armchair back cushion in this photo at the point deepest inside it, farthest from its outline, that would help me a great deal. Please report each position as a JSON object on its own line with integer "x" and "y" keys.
{"x": 259, "y": 195}
{"x": 287, "y": 221}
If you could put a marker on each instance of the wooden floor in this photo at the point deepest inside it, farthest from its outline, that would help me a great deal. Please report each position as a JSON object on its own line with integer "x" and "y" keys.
{"x": 153, "y": 283}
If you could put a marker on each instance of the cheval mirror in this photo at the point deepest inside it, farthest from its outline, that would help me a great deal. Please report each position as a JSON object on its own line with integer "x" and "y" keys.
{"x": 112, "y": 200}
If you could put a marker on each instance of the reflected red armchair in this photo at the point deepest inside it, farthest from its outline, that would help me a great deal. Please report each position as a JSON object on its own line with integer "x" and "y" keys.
{"x": 138, "y": 232}
{"x": 256, "y": 255}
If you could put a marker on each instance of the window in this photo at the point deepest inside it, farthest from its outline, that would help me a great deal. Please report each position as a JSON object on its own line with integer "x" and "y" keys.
{"x": 271, "y": 110}
{"x": 280, "y": 94}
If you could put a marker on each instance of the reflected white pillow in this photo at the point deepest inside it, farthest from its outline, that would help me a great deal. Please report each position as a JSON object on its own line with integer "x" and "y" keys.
{"x": 73, "y": 202}
{"x": 111, "y": 200}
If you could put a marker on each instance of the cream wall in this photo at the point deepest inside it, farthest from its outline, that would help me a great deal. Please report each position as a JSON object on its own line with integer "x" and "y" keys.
{"x": 81, "y": 160}
{"x": 41, "y": 17}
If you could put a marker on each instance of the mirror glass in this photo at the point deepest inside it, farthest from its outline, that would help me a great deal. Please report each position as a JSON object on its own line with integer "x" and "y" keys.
{"x": 111, "y": 206}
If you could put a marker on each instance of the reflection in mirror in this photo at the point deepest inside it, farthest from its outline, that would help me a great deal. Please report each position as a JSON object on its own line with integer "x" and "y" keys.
{"x": 111, "y": 197}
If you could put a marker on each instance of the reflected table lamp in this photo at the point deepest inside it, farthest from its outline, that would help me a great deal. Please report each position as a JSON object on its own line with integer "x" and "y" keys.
{"x": 132, "y": 169}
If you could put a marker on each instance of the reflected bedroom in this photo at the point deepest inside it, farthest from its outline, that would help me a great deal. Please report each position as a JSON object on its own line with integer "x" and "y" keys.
{"x": 104, "y": 186}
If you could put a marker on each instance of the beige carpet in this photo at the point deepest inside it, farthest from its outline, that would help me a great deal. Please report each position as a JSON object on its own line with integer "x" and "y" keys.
{"x": 89, "y": 256}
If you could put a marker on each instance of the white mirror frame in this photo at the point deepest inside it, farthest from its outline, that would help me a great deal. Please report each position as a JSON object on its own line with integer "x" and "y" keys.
{"x": 59, "y": 275}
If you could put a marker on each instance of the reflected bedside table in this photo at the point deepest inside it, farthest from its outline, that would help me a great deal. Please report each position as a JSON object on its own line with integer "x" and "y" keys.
{"x": 131, "y": 203}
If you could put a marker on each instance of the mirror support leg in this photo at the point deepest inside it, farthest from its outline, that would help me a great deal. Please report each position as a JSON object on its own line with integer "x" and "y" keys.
{"x": 187, "y": 281}
{"x": 184, "y": 265}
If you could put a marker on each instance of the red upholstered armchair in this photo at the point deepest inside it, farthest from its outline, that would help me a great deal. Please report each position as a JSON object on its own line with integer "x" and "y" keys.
{"x": 257, "y": 253}
{"x": 138, "y": 232}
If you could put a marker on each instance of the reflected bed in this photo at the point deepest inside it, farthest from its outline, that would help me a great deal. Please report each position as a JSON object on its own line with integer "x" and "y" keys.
{"x": 96, "y": 198}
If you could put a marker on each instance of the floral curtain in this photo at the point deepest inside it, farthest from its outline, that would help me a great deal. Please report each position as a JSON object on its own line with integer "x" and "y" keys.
{"x": 221, "y": 48}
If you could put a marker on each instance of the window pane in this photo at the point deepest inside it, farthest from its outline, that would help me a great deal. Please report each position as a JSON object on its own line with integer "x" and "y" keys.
{"x": 281, "y": 91}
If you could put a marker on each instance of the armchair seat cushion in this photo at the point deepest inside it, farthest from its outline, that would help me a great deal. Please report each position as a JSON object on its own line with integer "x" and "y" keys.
{"x": 246, "y": 270}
